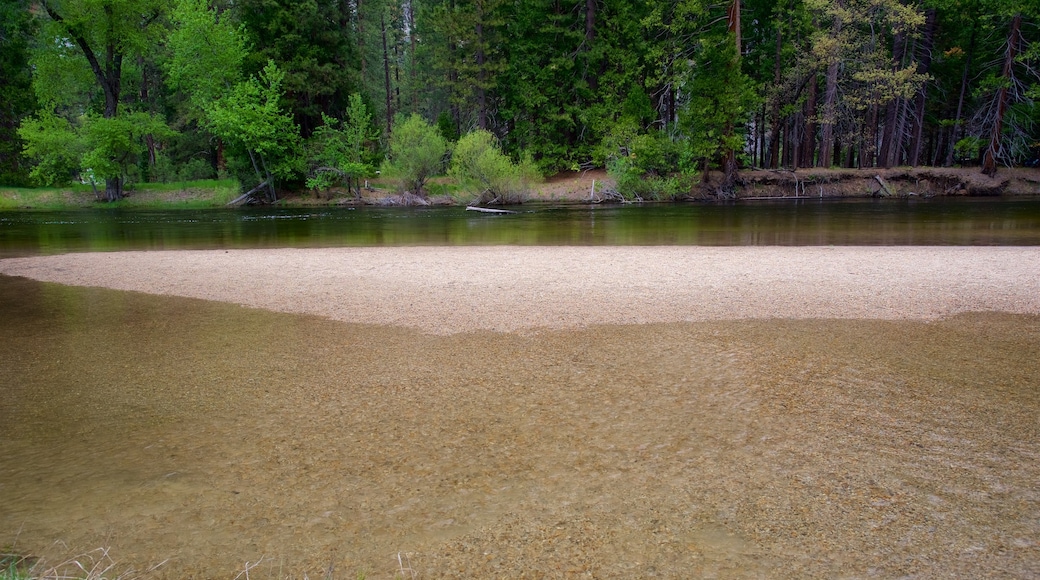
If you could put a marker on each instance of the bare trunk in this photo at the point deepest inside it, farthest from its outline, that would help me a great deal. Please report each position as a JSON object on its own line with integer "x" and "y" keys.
{"x": 830, "y": 106}
{"x": 890, "y": 135}
{"x": 924, "y": 61}
{"x": 994, "y": 150}
{"x": 809, "y": 135}
{"x": 590, "y": 20}
{"x": 869, "y": 144}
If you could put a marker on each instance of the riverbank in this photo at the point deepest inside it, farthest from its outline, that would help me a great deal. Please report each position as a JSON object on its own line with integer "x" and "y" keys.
{"x": 592, "y": 186}
{"x": 596, "y": 186}
{"x": 510, "y": 412}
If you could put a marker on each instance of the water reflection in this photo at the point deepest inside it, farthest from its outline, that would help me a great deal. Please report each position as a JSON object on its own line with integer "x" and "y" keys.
{"x": 961, "y": 221}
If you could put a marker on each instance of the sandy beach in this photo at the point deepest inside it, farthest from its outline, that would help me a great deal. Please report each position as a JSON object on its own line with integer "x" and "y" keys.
{"x": 506, "y": 412}
{"x": 447, "y": 290}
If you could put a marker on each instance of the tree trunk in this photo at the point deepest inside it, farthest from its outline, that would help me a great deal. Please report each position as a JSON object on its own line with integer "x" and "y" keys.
{"x": 924, "y": 64}
{"x": 994, "y": 150}
{"x": 453, "y": 76}
{"x": 890, "y": 137}
{"x": 869, "y": 144}
{"x": 482, "y": 117}
{"x": 386, "y": 78}
{"x": 590, "y": 20}
{"x": 774, "y": 113}
{"x": 109, "y": 76}
{"x": 830, "y": 102}
{"x": 809, "y": 131}
{"x": 361, "y": 42}
{"x": 411, "y": 70}
{"x": 958, "y": 120}
{"x": 729, "y": 167}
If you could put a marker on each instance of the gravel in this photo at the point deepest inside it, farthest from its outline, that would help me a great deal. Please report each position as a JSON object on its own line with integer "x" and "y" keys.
{"x": 508, "y": 289}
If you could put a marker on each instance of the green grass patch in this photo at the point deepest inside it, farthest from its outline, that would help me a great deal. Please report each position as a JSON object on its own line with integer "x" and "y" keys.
{"x": 183, "y": 195}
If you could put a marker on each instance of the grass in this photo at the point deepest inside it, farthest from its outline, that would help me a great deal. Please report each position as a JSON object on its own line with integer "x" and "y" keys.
{"x": 92, "y": 565}
{"x": 99, "y": 565}
{"x": 182, "y": 195}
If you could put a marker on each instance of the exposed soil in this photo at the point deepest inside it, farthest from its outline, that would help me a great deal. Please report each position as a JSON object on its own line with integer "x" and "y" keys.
{"x": 589, "y": 186}
{"x": 896, "y": 182}
{"x": 215, "y": 437}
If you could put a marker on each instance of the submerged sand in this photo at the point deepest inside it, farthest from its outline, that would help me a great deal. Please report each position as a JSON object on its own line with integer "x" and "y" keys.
{"x": 448, "y": 290}
{"x": 770, "y": 412}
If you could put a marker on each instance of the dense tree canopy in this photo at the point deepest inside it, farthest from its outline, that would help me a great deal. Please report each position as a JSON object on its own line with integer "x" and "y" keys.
{"x": 268, "y": 90}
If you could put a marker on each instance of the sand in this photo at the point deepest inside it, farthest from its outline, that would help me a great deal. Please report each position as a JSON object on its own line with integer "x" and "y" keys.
{"x": 526, "y": 412}
{"x": 508, "y": 289}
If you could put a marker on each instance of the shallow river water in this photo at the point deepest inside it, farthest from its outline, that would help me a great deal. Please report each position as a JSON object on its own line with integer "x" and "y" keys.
{"x": 213, "y": 438}
{"x": 864, "y": 222}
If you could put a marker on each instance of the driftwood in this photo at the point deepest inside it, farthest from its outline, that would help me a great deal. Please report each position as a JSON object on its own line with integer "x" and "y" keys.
{"x": 884, "y": 186}
{"x": 487, "y": 209}
{"x": 242, "y": 198}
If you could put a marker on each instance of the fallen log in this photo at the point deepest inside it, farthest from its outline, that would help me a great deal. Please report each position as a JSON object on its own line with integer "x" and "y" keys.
{"x": 487, "y": 209}
{"x": 884, "y": 186}
{"x": 242, "y": 198}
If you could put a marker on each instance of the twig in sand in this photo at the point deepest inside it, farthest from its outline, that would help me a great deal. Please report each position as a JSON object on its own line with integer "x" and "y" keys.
{"x": 248, "y": 568}
{"x": 408, "y": 572}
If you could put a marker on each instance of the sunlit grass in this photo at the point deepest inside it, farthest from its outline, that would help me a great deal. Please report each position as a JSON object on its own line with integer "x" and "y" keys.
{"x": 179, "y": 195}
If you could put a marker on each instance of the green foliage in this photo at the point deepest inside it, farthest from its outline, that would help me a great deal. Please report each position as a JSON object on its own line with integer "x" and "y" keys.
{"x": 720, "y": 99}
{"x": 634, "y": 185}
{"x": 54, "y": 145}
{"x": 969, "y": 149}
{"x": 166, "y": 171}
{"x": 337, "y": 151}
{"x": 112, "y": 145}
{"x": 251, "y": 116}
{"x": 206, "y": 52}
{"x": 640, "y": 87}
{"x": 481, "y": 168}
{"x": 417, "y": 152}
{"x": 314, "y": 43}
{"x": 446, "y": 127}
{"x": 16, "y": 95}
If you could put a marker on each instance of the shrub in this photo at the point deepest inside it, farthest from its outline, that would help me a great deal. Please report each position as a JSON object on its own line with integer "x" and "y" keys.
{"x": 635, "y": 185}
{"x": 417, "y": 152}
{"x": 480, "y": 167}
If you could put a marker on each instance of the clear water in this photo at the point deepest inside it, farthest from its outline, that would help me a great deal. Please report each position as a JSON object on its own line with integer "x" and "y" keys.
{"x": 209, "y": 436}
{"x": 962, "y": 221}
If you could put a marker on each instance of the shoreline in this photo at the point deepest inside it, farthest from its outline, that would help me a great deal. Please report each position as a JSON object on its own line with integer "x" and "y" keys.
{"x": 452, "y": 290}
{"x": 590, "y": 187}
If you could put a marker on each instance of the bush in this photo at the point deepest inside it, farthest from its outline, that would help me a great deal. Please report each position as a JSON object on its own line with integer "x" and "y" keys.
{"x": 635, "y": 185}
{"x": 643, "y": 165}
{"x": 480, "y": 167}
{"x": 417, "y": 152}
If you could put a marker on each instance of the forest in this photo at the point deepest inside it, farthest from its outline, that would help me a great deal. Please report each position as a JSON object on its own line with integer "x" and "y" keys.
{"x": 318, "y": 93}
